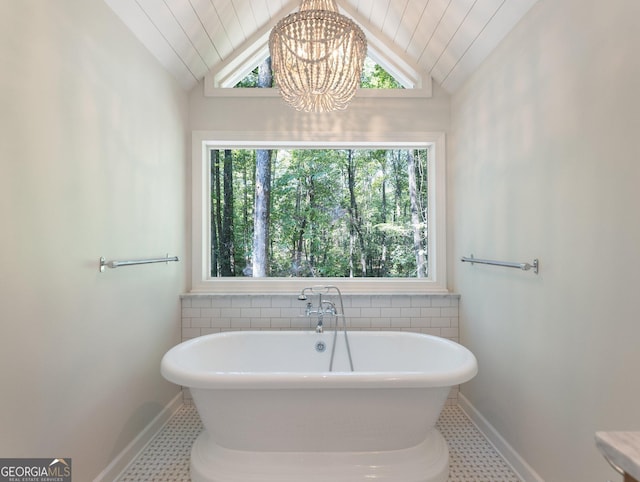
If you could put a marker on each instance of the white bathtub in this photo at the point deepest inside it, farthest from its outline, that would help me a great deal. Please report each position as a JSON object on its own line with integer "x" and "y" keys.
{"x": 273, "y": 412}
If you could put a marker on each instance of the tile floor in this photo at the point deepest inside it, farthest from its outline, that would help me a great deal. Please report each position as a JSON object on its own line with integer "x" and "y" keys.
{"x": 472, "y": 457}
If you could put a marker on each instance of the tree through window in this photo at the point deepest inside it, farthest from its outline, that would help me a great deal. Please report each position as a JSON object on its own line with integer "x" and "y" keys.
{"x": 344, "y": 213}
{"x": 374, "y": 76}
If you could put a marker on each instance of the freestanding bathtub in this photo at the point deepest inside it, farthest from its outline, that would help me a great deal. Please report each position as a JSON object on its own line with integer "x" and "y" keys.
{"x": 273, "y": 412}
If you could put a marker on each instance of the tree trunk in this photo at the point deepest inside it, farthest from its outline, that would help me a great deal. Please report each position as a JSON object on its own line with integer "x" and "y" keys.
{"x": 247, "y": 231}
{"x": 415, "y": 217}
{"x": 227, "y": 267}
{"x": 396, "y": 166}
{"x": 265, "y": 76}
{"x": 311, "y": 254}
{"x": 383, "y": 260}
{"x": 218, "y": 207}
{"x": 261, "y": 213}
{"x": 215, "y": 212}
{"x": 355, "y": 229}
{"x": 263, "y": 193}
{"x": 353, "y": 212}
{"x": 298, "y": 238}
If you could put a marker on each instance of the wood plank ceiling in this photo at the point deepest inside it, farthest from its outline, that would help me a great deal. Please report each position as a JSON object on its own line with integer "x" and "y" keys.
{"x": 448, "y": 39}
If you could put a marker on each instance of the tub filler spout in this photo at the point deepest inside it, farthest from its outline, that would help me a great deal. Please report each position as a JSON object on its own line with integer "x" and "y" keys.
{"x": 327, "y": 308}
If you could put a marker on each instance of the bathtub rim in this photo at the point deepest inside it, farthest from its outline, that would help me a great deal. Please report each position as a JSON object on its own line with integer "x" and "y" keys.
{"x": 175, "y": 373}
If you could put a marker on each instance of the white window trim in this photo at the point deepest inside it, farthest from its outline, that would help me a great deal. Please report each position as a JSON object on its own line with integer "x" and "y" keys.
{"x": 203, "y": 141}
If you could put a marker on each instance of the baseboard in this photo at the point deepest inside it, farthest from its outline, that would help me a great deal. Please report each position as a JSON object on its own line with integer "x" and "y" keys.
{"x": 118, "y": 465}
{"x": 513, "y": 458}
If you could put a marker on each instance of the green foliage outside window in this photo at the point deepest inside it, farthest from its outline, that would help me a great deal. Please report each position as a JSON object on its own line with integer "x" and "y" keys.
{"x": 332, "y": 213}
{"x": 373, "y": 77}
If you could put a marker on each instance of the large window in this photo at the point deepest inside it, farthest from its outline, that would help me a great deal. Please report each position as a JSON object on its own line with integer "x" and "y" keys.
{"x": 343, "y": 213}
{"x": 268, "y": 216}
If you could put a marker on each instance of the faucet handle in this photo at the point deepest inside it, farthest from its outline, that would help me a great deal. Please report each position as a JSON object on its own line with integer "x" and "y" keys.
{"x": 329, "y": 308}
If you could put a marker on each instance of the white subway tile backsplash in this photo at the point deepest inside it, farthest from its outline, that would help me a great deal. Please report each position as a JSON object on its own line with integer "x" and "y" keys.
{"x": 400, "y": 301}
{"x": 380, "y": 301}
{"x": 280, "y": 323}
{"x": 240, "y": 301}
{"x": 370, "y": 312}
{"x": 409, "y": 312}
{"x": 230, "y": 313}
{"x": 241, "y": 323}
{"x": 210, "y": 312}
{"x": 398, "y": 322}
{"x": 389, "y": 312}
{"x": 431, "y": 331}
{"x": 260, "y": 323}
{"x": 430, "y": 312}
{"x": 220, "y": 323}
{"x": 450, "y": 311}
{"x": 301, "y": 323}
{"x": 223, "y": 301}
{"x": 285, "y": 302}
{"x": 191, "y": 312}
{"x": 270, "y": 312}
{"x": 420, "y": 323}
{"x": 190, "y": 333}
{"x": 260, "y": 301}
{"x": 292, "y": 312}
{"x": 200, "y": 302}
{"x": 201, "y": 323}
{"x": 440, "y": 322}
{"x": 380, "y": 322}
{"x": 449, "y": 333}
{"x": 359, "y": 323}
{"x": 250, "y": 312}
{"x": 361, "y": 301}
{"x": 353, "y": 312}
{"x": 443, "y": 300}
{"x": 285, "y": 311}
{"x": 420, "y": 301}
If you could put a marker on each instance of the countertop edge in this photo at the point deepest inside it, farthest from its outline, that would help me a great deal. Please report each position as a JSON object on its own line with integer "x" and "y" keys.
{"x": 621, "y": 449}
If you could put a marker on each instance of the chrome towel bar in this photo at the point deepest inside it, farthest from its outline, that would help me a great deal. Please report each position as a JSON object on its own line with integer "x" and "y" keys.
{"x": 522, "y": 266}
{"x": 117, "y": 264}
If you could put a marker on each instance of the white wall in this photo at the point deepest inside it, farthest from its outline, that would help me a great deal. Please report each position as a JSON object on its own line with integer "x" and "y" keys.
{"x": 92, "y": 152}
{"x": 545, "y": 162}
{"x": 369, "y": 115}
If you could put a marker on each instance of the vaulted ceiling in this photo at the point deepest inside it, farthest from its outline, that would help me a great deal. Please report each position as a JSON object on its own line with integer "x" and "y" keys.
{"x": 446, "y": 39}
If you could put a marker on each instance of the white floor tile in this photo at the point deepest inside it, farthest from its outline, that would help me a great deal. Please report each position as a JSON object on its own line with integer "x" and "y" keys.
{"x": 472, "y": 457}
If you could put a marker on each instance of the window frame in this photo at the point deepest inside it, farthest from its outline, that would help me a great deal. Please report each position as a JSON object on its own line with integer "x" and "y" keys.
{"x": 204, "y": 141}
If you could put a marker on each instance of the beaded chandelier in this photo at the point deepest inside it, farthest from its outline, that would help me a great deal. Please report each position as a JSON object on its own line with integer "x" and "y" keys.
{"x": 317, "y": 56}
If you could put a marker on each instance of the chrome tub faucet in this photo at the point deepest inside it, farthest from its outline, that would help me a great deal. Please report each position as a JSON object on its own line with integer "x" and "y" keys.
{"x": 326, "y": 307}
